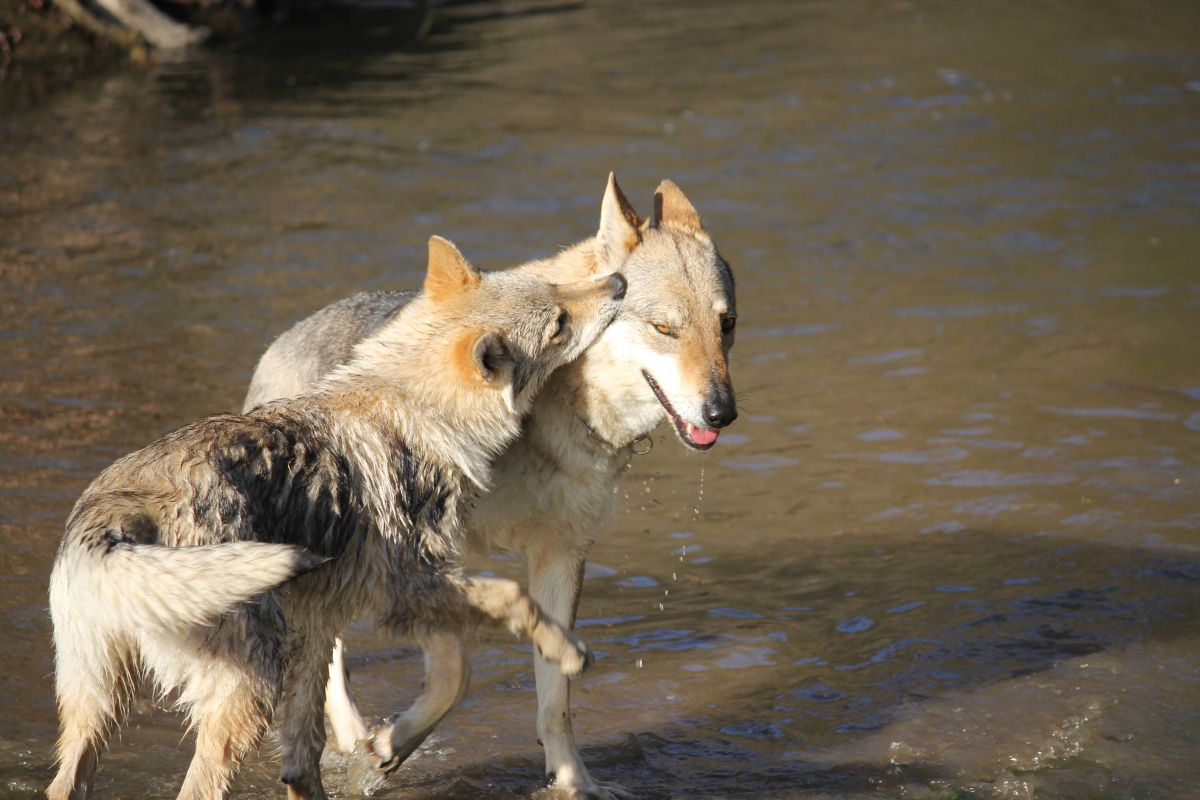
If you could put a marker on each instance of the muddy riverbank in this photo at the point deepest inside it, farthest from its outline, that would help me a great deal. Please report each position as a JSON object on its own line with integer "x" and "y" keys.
{"x": 41, "y": 51}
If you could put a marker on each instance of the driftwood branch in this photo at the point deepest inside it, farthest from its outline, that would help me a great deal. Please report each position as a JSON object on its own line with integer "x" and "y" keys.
{"x": 130, "y": 23}
{"x": 96, "y": 26}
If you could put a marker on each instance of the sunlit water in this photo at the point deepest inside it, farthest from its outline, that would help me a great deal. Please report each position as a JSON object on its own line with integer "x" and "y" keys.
{"x": 950, "y": 546}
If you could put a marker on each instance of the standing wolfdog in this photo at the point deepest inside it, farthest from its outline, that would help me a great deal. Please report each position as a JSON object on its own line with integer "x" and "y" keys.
{"x": 184, "y": 560}
{"x": 664, "y": 357}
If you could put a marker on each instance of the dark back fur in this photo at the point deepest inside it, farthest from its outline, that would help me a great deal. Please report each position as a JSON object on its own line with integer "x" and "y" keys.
{"x": 275, "y": 475}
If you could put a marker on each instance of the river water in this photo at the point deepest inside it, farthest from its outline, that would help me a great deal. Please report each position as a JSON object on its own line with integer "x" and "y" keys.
{"x": 949, "y": 549}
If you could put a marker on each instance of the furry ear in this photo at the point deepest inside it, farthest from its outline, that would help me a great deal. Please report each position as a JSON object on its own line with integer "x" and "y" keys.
{"x": 491, "y": 356}
{"x": 671, "y": 205}
{"x": 449, "y": 273}
{"x": 619, "y": 228}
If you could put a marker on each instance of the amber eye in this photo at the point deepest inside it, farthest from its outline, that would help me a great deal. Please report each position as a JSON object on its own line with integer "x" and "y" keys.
{"x": 728, "y": 323}
{"x": 560, "y": 327}
{"x": 665, "y": 330}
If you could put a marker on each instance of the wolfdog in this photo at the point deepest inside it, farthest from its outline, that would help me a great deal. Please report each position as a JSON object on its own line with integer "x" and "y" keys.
{"x": 223, "y": 559}
{"x": 664, "y": 357}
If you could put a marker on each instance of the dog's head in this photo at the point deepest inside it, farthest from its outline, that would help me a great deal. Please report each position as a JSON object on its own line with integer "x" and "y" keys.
{"x": 667, "y": 353}
{"x": 506, "y": 331}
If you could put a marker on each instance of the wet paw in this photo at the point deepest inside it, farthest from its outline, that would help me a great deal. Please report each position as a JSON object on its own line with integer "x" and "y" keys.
{"x": 301, "y": 783}
{"x": 588, "y": 791}
{"x": 376, "y": 749}
{"x": 576, "y": 657}
{"x": 363, "y": 773}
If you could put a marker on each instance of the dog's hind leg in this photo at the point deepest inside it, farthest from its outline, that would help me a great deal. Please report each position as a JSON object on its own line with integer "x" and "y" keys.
{"x": 94, "y": 671}
{"x": 94, "y": 682}
{"x": 231, "y": 713}
{"x": 228, "y": 677}
{"x": 301, "y": 724}
{"x": 447, "y": 674}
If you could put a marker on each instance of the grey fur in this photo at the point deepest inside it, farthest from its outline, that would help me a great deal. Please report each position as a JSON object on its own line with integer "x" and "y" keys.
{"x": 317, "y": 344}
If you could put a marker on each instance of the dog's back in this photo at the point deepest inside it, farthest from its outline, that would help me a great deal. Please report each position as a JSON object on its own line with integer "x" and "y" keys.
{"x": 313, "y": 347}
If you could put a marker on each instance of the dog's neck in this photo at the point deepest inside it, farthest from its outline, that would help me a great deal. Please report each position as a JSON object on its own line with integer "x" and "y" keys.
{"x": 402, "y": 389}
{"x": 608, "y": 415}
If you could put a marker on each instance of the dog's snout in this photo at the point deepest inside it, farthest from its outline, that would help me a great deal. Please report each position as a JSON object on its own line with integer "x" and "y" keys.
{"x": 720, "y": 411}
{"x": 619, "y": 285}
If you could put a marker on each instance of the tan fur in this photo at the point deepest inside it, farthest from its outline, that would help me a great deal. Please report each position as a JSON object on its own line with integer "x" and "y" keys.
{"x": 462, "y": 357}
{"x": 449, "y": 273}
{"x": 620, "y": 227}
{"x": 673, "y": 207}
{"x": 702, "y": 359}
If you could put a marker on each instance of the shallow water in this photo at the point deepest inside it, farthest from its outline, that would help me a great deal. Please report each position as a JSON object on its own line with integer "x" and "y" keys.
{"x": 950, "y": 547}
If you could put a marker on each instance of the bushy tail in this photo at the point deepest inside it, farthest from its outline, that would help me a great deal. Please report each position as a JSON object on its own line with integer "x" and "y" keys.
{"x": 174, "y": 588}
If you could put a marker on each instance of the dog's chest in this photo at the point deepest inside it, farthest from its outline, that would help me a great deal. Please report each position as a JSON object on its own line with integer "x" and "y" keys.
{"x": 535, "y": 497}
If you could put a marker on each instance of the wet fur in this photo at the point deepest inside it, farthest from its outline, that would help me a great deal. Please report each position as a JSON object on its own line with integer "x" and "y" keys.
{"x": 222, "y": 559}
{"x": 554, "y": 489}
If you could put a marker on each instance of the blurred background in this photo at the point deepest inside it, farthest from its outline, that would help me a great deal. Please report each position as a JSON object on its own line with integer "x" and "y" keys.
{"x": 949, "y": 549}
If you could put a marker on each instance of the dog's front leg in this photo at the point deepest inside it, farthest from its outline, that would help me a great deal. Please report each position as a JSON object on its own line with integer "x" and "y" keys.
{"x": 344, "y": 717}
{"x": 447, "y": 674}
{"x": 505, "y": 602}
{"x": 555, "y": 580}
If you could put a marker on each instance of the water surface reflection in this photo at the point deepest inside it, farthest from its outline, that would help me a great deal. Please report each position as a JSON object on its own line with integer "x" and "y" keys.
{"x": 950, "y": 544}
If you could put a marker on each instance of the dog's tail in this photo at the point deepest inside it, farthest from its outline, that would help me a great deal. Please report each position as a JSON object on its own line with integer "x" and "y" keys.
{"x": 171, "y": 588}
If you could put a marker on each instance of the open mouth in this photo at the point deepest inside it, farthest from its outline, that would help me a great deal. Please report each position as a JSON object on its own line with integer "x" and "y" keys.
{"x": 693, "y": 436}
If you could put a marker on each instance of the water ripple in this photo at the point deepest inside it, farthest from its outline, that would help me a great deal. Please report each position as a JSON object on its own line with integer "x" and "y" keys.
{"x": 942, "y": 455}
{"x": 1114, "y": 412}
{"x": 881, "y": 435}
{"x": 788, "y": 330}
{"x": 993, "y": 478}
{"x": 887, "y": 358}
{"x": 856, "y": 625}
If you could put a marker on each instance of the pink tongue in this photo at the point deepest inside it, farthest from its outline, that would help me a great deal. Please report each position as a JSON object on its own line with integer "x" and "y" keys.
{"x": 701, "y": 435}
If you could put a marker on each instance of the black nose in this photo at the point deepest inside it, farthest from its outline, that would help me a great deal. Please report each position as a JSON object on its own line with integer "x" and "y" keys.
{"x": 719, "y": 412}
{"x": 619, "y": 285}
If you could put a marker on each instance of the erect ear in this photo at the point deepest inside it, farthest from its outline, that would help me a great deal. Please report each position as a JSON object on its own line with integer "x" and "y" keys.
{"x": 491, "y": 356}
{"x": 671, "y": 205}
{"x": 449, "y": 273}
{"x": 619, "y": 225}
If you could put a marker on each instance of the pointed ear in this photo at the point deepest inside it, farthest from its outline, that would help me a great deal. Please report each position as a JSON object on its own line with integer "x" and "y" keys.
{"x": 449, "y": 273}
{"x": 491, "y": 357}
{"x": 619, "y": 227}
{"x": 672, "y": 205}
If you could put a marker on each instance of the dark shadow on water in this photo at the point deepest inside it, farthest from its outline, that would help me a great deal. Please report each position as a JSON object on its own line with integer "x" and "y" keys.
{"x": 754, "y": 738}
{"x": 753, "y": 743}
{"x": 329, "y": 46}
{"x": 656, "y": 765}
